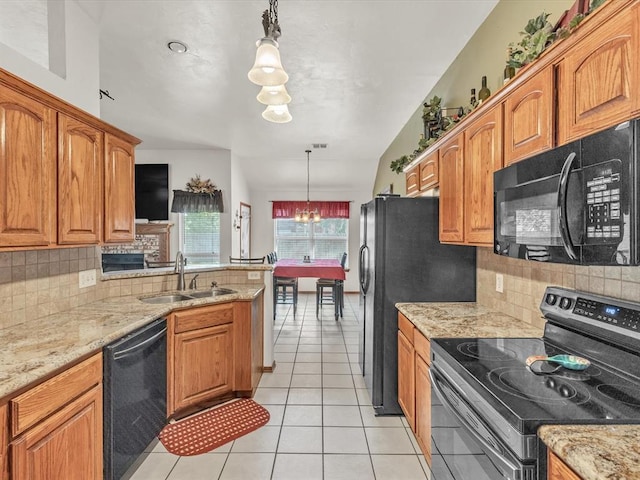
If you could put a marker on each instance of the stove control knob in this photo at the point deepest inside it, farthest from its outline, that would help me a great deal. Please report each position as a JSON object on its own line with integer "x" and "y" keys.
{"x": 551, "y": 299}
{"x": 565, "y": 303}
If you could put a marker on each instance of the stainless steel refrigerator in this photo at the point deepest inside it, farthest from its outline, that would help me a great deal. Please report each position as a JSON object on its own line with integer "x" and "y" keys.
{"x": 402, "y": 260}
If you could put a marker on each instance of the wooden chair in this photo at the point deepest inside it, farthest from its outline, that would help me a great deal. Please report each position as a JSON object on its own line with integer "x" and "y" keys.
{"x": 281, "y": 287}
{"x": 334, "y": 294}
{"x": 246, "y": 260}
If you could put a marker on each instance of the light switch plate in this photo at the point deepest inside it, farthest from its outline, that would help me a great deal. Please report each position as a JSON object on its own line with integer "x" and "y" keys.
{"x": 86, "y": 278}
{"x": 253, "y": 275}
{"x": 499, "y": 283}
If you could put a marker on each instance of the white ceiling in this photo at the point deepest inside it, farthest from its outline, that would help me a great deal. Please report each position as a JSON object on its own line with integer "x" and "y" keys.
{"x": 357, "y": 70}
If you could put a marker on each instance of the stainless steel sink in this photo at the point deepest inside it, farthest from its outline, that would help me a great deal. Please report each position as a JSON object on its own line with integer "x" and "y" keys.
{"x": 166, "y": 298}
{"x": 214, "y": 292}
{"x": 179, "y": 297}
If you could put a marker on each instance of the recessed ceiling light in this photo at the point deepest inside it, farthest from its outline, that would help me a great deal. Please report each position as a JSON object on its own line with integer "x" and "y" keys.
{"x": 177, "y": 47}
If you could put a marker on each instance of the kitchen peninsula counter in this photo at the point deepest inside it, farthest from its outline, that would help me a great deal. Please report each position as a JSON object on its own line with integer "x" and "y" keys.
{"x": 596, "y": 452}
{"x": 464, "y": 319}
{"x": 31, "y": 352}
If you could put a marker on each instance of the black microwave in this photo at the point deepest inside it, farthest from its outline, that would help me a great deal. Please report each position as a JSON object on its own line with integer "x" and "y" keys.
{"x": 577, "y": 203}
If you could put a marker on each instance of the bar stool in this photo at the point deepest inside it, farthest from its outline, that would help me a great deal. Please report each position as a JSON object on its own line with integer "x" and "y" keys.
{"x": 281, "y": 287}
{"x": 334, "y": 294}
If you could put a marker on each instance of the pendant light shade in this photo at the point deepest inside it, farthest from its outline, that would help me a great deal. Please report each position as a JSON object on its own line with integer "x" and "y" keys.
{"x": 277, "y": 95}
{"x": 277, "y": 114}
{"x": 267, "y": 69}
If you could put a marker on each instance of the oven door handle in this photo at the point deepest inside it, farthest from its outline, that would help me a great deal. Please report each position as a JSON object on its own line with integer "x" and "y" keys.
{"x": 435, "y": 385}
{"x": 563, "y": 186}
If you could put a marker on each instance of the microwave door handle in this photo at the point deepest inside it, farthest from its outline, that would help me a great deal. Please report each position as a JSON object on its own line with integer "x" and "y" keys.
{"x": 562, "y": 207}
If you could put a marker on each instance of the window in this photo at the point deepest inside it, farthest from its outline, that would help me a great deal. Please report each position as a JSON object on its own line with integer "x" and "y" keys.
{"x": 200, "y": 237}
{"x": 328, "y": 238}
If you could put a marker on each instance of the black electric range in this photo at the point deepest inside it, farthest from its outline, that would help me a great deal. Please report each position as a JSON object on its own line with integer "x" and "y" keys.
{"x": 501, "y": 401}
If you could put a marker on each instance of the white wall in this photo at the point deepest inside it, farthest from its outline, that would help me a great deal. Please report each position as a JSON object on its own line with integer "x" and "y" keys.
{"x": 262, "y": 226}
{"x": 185, "y": 164}
{"x": 239, "y": 193}
{"x": 81, "y": 83}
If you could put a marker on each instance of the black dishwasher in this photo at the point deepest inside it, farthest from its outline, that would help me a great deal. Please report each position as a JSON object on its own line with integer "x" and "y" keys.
{"x": 135, "y": 395}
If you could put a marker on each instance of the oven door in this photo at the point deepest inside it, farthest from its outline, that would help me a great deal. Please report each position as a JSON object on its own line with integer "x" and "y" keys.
{"x": 504, "y": 460}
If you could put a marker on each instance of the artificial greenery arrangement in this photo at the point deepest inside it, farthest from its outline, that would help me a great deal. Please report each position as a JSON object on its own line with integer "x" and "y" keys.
{"x": 197, "y": 185}
{"x": 539, "y": 34}
{"x": 435, "y": 125}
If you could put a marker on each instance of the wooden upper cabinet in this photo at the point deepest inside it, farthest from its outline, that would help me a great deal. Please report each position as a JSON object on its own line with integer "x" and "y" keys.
{"x": 80, "y": 157}
{"x": 429, "y": 172}
{"x": 529, "y": 117}
{"x": 412, "y": 178}
{"x": 482, "y": 157}
{"x": 27, "y": 171}
{"x": 451, "y": 190}
{"x": 598, "y": 78}
{"x": 119, "y": 195}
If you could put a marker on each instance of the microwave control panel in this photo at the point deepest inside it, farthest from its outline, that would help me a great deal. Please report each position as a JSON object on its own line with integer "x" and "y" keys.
{"x": 603, "y": 190}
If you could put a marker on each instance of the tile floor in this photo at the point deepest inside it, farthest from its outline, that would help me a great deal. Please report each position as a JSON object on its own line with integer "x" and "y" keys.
{"x": 322, "y": 424}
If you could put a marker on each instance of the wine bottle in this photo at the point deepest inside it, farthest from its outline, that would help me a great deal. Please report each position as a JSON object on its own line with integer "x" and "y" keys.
{"x": 484, "y": 92}
{"x": 473, "y": 100}
{"x": 509, "y": 71}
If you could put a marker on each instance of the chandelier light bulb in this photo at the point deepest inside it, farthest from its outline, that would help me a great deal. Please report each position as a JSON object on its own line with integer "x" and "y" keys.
{"x": 267, "y": 69}
{"x": 274, "y": 95}
{"x": 277, "y": 114}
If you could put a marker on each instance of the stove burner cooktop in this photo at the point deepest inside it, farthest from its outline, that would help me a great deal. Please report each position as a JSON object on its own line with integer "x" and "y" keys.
{"x": 497, "y": 367}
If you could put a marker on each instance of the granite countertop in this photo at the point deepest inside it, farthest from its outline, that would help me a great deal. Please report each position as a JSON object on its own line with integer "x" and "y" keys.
{"x": 30, "y": 353}
{"x": 596, "y": 452}
{"x": 464, "y": 319}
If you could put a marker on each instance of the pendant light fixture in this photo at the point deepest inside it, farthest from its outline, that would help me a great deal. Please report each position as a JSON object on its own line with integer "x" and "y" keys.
{"x": 306, "y": 214}
{"x": 267, "y": 70}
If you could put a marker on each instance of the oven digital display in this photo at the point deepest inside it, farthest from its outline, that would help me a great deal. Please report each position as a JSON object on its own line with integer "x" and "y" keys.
{"x": 611, "y": 311}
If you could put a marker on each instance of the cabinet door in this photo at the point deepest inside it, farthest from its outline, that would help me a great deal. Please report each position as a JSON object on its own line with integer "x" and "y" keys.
{"x": 4, "y": 442}
{"x": 119, "y": 197}
{"x": 27, "y": 171}
{"x": 413, "y": 181}
{"x": 406, "y": 385}
{"x": 482, "y": 157}
{"x": 451, "y": 191}
{"x": 67, "y": 445}
{"x": 429, "y": 172}
{"x": 203, "y": 366}
{"x": 558, "y": 470}
{"x": 598, "y": 82}
{"x": 423, "y": 408}
{"x": 529, "y": 118}
{"x": 80, "y": 172}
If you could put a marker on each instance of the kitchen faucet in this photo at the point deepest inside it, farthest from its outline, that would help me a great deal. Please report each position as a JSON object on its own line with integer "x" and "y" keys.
{"x": 179, "y": 269}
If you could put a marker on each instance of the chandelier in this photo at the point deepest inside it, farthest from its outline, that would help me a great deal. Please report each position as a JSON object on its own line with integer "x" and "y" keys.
{"x": 307, "y": 215}
{"x": 267, "y": 70}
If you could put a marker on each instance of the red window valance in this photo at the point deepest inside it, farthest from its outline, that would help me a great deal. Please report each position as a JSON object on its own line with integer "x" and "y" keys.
{"x": 287, "y": 209}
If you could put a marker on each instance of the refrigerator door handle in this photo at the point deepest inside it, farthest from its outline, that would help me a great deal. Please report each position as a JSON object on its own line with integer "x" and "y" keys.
{"x": 363, "y": 269}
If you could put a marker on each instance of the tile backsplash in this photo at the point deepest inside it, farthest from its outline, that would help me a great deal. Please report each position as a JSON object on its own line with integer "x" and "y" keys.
{"x": 37, "y": 283}
{"x": 525, "y": 281}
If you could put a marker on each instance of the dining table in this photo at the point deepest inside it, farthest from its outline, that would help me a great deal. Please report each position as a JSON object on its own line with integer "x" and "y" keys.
{"x": 317, "y": 268}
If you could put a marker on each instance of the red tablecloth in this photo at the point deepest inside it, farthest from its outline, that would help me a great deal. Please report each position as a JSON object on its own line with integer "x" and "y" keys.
{"x": 315, "y": 269}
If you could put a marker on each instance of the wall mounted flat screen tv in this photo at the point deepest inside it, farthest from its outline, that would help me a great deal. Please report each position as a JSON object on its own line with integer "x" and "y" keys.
{"x": 152, "y": 191}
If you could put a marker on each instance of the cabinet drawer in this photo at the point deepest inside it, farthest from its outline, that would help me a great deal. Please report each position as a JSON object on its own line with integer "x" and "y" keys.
{"x": 406, "y": 327}
{"x": 422, "y": 346}
{"x": 41, "y": 401}
{"x": 203, "y": 317}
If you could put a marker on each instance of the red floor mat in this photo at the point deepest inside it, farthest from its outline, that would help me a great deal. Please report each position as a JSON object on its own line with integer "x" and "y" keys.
{"x": 205, "y": 431}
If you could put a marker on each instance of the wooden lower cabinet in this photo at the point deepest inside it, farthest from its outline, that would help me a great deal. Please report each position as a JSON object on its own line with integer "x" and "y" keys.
{"x": 423, "y": 394}
{"x": 558, "y": 470}
{"x": 65, "y": 444}
{"x": 213, "y": 353}
{"x": 406, "y": 379}
{"x": 4, "y": 442}
{"x": 414, "y": 384}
